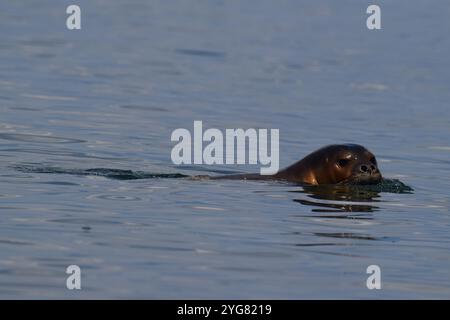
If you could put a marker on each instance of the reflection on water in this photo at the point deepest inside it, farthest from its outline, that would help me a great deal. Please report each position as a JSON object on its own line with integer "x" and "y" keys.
{"x": 342, "y": 194}
{"x": 336, "y": 207}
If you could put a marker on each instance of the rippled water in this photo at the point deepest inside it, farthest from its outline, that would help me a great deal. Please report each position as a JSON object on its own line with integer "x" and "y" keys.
{"x": 110, "y": 95}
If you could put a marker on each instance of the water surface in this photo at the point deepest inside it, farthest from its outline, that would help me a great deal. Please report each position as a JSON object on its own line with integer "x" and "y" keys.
{"x": 110, "y": 95}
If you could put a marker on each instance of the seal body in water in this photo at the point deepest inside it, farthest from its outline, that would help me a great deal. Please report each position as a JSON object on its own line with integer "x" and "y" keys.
{"x": 333, "y": 164}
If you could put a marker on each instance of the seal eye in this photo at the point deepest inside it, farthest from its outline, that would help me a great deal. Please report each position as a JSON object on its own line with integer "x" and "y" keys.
{"x": 343, "y": 162}
{"x": 373, "y": 160}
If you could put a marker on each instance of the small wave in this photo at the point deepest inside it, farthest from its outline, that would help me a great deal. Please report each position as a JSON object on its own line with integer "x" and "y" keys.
{"x": 360, "y": 191}
{"x": 390, "y": 186}
{"x": 201, "y": 53}
{"x": 37, "y": 138}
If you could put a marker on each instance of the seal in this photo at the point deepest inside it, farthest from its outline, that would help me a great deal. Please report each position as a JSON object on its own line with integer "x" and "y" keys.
{"x": 332, "y": 164}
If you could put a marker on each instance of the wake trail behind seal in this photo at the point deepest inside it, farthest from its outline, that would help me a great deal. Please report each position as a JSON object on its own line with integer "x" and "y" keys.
{"x": 117, "y": 174}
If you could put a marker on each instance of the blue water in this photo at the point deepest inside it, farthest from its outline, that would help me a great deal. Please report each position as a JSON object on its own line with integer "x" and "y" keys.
{"x": 110, "y": 94}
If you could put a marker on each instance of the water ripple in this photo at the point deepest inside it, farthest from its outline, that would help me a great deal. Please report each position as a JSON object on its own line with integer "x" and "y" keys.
{"x": 37, "y": 138}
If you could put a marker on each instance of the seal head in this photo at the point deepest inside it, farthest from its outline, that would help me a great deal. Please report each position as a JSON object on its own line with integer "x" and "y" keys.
{"x": 335, "y": 164}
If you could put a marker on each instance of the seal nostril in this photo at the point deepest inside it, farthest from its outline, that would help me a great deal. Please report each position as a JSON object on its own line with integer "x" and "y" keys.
{"x": 363, "y": 168}
{"x": 373, "y": 168}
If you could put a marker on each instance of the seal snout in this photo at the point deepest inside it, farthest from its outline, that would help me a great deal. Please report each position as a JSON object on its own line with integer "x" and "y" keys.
{"x": 367, "y": 172}
{"x": 368, "y": 168}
